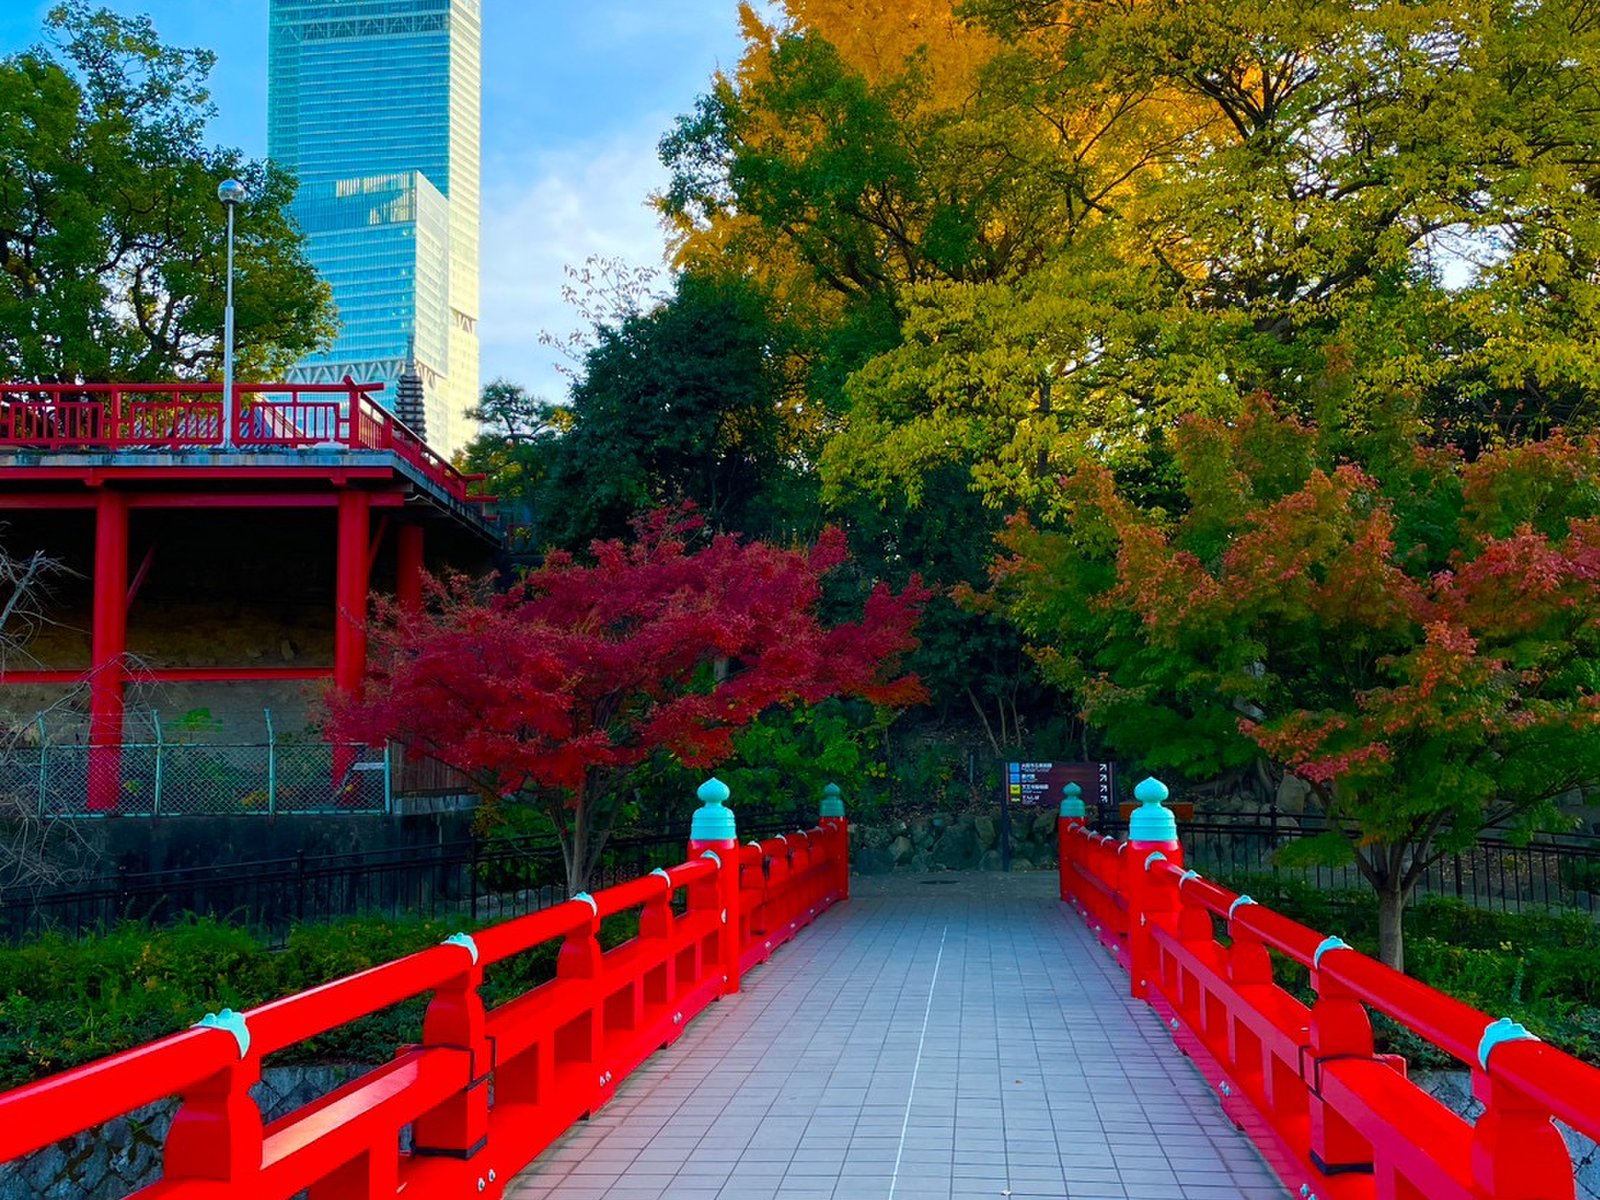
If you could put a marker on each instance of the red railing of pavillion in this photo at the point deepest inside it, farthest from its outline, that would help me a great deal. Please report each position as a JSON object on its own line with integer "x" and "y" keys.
{"x": 188, "y": 416}
{"x": 485, "y": 1090}
{"x": 1335, "y": 1119}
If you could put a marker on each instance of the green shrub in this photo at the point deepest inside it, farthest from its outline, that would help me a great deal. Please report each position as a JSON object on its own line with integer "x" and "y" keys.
{"x": 1353, "y": 914}
{"x": 64, "y": 1002}
{"x": 1539, "y": 968}
{"x": 1581, "y": 874}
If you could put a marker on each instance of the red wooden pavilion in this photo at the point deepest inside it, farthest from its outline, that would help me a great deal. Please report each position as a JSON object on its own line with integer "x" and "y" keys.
{"x": 121, "y": 449}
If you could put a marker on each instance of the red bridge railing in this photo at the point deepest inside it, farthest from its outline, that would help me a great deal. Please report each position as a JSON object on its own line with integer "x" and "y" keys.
{"x": 1335, "y": 1119}
{"x": 485, "y": 1090}
{"x": 188, "y": 416}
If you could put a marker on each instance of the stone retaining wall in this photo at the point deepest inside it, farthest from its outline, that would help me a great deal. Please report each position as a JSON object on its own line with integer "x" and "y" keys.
{"x": 955, "y": 842}
{"x": 1453, "y": 1089}
{"x": 121, "y": 1156}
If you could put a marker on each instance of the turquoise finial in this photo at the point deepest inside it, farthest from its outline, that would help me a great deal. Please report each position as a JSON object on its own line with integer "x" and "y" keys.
{"x": 712, "y": 821}
{"x": 832, "y": 801}
{"x": 1151, "y": 822}
{"x": 1072, "y": 802}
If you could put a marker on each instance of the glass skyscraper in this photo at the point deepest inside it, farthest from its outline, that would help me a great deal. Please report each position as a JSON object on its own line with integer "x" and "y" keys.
{"x": 375, "y": 105}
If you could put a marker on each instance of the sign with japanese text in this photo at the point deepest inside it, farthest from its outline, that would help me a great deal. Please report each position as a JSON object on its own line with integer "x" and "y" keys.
{"x": 1040, "y": 783}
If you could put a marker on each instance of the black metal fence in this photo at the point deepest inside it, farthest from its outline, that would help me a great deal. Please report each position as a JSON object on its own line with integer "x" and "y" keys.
{"x": 480, "y": 879}
{"x": 1493, "y": 874}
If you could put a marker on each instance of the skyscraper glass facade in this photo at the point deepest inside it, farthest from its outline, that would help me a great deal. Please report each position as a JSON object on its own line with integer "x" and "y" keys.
{"x": 375, "y": 105}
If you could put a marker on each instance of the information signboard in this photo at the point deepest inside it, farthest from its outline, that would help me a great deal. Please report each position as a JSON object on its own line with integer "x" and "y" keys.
{"x": 1038, "y": 785}
{"x": 1034, "y": 783}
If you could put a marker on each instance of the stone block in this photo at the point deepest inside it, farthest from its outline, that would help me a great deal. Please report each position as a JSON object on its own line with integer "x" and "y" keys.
{"x": 987, "y": 833}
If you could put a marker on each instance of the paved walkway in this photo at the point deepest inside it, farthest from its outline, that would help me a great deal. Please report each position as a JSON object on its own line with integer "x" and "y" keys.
{"x": 940, "y": 1037}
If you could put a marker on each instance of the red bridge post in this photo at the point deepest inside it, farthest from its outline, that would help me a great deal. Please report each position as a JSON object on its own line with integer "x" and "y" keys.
{"x": 833, "y": 820}
{"x": 459, "y": 1128}
{"x": 714, "y": 834}
{"x": 216, "y": 1133}
{"x": 1152, "y": 837}
{"x": 1072, "y": 816}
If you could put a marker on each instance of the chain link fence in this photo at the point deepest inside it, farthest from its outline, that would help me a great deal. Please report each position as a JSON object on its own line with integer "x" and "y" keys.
{"x": 165, "y": 778}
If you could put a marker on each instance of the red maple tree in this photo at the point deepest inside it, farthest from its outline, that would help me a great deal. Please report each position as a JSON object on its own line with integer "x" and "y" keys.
{"x": 553, "y": 690}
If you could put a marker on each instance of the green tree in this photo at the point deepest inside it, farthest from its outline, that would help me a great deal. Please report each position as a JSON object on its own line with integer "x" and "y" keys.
{"x": 517, "y": 435}
{"x": 1113, "y": 215}
{"x": 1412, "y": 635}
{"x": 690, "y": 400}
{"x": 112, "y": 242}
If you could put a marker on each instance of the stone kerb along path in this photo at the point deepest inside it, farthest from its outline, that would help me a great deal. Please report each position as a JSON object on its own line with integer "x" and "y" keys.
{"x": 940, "y": 1037}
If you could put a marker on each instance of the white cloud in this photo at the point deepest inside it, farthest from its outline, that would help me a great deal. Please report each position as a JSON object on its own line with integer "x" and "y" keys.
{"x": 558, "y": 208}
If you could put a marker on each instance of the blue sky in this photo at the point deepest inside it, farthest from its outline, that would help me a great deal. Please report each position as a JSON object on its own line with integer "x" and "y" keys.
{"x": 575, "y": 95}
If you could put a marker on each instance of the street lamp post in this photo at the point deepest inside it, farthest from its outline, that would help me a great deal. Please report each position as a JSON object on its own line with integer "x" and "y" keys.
{"x": 232, "y": 194}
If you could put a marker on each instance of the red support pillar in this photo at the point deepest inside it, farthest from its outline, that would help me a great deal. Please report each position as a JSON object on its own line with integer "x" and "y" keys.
{"x": 350, "y": 591}
{"x": 408, "y": 567}
{"x": 110, "y": 642}
{"x": 350, "y": 616}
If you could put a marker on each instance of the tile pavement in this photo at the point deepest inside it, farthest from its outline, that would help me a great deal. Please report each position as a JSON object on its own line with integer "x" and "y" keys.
{"x": 938, "y": 1038}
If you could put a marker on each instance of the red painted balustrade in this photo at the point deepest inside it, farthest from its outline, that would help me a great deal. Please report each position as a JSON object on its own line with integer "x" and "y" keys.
{"x": 1336, "y": 1120}
{"x": 484, "y": 1090}
{"x": 121, "y": 417}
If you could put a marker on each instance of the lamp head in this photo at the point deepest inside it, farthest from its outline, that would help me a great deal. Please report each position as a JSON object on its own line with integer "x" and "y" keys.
{"x": 231, "y": 192}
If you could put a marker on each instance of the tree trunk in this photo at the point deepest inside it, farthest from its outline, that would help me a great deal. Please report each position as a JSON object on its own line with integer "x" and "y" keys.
{"x": 598, "y": 834}
{"x": 1391, "y": 929}
{"x": 582, "y": 851}
{"x": 575, "y": 850}
{"x": 988, "y": 729}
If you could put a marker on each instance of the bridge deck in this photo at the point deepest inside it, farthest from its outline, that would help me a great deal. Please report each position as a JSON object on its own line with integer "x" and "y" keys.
{"x": 937, "y": 1038}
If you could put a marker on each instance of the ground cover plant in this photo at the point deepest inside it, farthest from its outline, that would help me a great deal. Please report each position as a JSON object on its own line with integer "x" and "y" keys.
{"x": 1539, "y": 968}
{"x": 64, "y": 1002}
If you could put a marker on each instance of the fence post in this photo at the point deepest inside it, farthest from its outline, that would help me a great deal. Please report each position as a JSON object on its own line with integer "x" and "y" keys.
{"x": 272, "y": 765}
{"x": 834, "y": 820}
{"x": 713, "y": 833}
{"x": 1071, "y": 816}
{"x": 1152, "y": 835}
{"x": 44, "y": 777}
{"x": 388, "y": 779}
{"x": 353, "y": 428}
{"x": 161, "y": 747}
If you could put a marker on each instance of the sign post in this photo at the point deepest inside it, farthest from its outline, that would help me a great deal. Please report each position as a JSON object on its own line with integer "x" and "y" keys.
{"x": 1038, "y": 784}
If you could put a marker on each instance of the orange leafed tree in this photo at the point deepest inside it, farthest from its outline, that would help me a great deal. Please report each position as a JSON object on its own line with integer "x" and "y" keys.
{"x": 1414, "y": 636}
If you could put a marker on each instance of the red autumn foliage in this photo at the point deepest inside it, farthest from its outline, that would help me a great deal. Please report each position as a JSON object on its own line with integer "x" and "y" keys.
{"x": 579, "y": 672}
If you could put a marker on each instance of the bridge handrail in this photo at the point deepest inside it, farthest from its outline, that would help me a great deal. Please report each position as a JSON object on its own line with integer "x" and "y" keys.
{"x": 550, "y": 1055}
{"x": 1306, "y": 1083}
